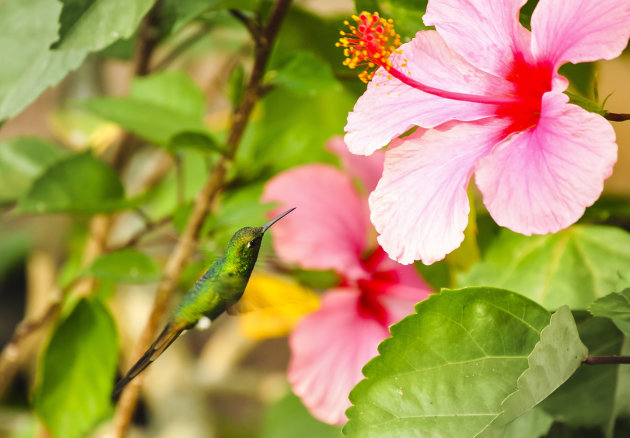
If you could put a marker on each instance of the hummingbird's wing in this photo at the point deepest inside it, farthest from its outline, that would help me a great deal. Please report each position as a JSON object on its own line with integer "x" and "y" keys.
{"x": 166, "y": 338}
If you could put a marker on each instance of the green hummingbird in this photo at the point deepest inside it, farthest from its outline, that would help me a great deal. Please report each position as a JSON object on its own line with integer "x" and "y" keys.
{"x": 215, "y": 292}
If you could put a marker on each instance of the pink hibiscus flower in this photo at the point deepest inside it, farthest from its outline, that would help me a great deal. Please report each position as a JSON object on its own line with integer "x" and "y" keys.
{"x": 329, "y": 230}
{"x": 487, "y": 97}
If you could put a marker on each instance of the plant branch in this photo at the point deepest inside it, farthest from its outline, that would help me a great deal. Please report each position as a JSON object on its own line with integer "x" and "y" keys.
{"x": 602, "y": 360}
{"x": 251, "y": 25}
{"x": 181, "y": 47}
{"x": 201, "y": 208}
{"x": 11, "y": 352}
{"x": 617, "y": 117}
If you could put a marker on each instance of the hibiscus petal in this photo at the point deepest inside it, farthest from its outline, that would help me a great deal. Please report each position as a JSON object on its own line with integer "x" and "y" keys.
{"x": 367, "y": 169}
{"x": 579, "y": 30}
{"x": 330, "y": 347}
{"x": 540, "y": 181}
{"x": 405, "y": 277}
{"x": 420, "y": 206}
{"x": 328, "y": 230}
{"x": 486, "y": 33}
{"x": 389, "y": 108}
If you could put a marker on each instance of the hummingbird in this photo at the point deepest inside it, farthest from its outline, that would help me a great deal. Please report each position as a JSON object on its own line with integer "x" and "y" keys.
{"x": 217, "y": 291}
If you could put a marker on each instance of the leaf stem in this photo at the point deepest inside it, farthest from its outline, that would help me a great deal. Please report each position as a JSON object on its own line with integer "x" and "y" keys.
{"x": 617, "y": 117}
{"x": 203, "y": 203}
{"x": 603, "y": 360}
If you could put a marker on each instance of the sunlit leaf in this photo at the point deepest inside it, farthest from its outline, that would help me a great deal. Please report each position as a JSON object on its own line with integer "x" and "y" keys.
{"x": 27, "y": 29}
{"x": 573, "y": 267}
{"x": 78, "y": 184}
{"x": 95, "y": 24}
{"x": 22, "y": 159}
{"x": 447, "y": 368}
{"x": 127, "y": 265}
{"x": 615, "y": 306}
{"x": 304, "y": 74}
{"x": 77, "y": 372}
{"x": 159, "y": 107}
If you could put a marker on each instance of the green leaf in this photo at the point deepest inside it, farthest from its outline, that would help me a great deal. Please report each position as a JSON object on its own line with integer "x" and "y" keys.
{"x": 175, "y": 14}
{"x": 95, "y": 24}
{"x": 236, "y": 85}
{"x": 615, "y": 306}
{"x": 127, "y": 266}
{"x": 14, "y": 246}
{"x": 448, "y": 367}
{"x": 532, "y": 424}
{"x": 77, "y": 372}
{"x": 201, "y": 141}
{"x": 305, "y": 74}
{"x": 159, "y": 107}
{"x": 594, "y": 395}
{"x": 289, "y": 418}
{"x": 22, "y": 159}
{"x": 555, "y": 358}
{"x": 78, "y": 184}
{"x": 27, "y": 29}
{"x": 573, "y": 267}
{"x": 407, "y": 15}
{"x": 281, "y": 139}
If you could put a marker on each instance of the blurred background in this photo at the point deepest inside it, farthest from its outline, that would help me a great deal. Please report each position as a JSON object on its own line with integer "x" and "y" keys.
{"x": 229, "y": 381}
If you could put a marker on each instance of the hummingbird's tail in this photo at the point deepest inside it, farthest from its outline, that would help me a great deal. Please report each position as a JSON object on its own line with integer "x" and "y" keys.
{"x": 166, "y": 338}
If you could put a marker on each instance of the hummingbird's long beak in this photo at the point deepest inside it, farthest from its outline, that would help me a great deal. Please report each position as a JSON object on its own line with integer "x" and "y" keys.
{"x": 276, "y": 219}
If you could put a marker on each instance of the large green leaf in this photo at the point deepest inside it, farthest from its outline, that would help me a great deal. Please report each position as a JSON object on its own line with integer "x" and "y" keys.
{"x": 615, "y": 306}
{"x": 532, "y": 424}
{"x": 78, "y": 184}
{"x": 27, "y": 29}
{"x": 158, "y": 108}
{"x": 596, "y": 394}
{"x": 77, "y": 372}
{"x": 574, "y": 266}
{"x": 127, "y": 265}
{"x": 555, "y": 358}
{"x": 446, "y": 369}
{"x": 95, "y": 24}
{"x": 289, "y": 418}
{"x": 22, "y": 159}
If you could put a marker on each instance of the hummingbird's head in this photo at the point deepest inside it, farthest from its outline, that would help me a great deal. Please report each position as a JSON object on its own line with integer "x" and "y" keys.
{"x": 245, "y": 243}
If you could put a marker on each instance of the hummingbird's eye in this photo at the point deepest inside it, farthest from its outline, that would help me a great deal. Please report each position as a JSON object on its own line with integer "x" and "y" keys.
{"x": 254, "y": 242}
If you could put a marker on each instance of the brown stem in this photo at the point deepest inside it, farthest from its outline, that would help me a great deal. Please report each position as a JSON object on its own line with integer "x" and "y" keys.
{"x": 251, "y": 25}
{"x": 600, "y": 360}
{"x": 202, "y": 206}
{"x": 617, "y": 117}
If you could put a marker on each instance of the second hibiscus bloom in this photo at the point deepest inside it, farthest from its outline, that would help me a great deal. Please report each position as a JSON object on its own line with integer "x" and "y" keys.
{"x": 330, "y": 230}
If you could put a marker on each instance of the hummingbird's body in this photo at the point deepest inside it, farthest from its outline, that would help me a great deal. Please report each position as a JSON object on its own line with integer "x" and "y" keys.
{"x": 215, "y": 292}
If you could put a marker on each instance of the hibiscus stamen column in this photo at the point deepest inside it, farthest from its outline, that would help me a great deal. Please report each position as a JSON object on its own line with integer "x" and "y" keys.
{"x": 370, "y": 44}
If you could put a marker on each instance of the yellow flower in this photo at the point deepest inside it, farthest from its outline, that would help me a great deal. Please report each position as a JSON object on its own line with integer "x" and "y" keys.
{"x": 273, "y": 305}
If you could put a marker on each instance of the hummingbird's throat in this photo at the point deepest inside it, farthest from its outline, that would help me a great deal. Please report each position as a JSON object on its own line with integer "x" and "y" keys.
{"x": 371, "y": 42}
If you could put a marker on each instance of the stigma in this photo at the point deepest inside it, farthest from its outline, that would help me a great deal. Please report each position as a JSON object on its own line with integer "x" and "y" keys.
{"x": 372, "y": 41}
{"x": 369, "y": 43}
